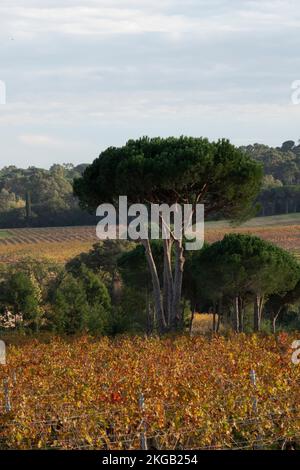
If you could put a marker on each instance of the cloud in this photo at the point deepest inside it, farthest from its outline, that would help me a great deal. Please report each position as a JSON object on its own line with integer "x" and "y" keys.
{"x": 38, "y": 140}
{"x": 84, "y": 75}
{"x": 132, "y": 17}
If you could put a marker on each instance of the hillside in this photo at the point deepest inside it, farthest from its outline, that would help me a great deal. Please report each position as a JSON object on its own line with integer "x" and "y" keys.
{"x": 63, "y": 243}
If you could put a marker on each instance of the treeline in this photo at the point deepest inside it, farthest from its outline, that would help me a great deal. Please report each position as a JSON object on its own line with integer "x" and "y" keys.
{"x": 246, "y": 283}
{"x": 280, "y": 193}
{"x": 37, "y": 197}
{"x": 279, "y": 200}
{"x": 281, "y": 163}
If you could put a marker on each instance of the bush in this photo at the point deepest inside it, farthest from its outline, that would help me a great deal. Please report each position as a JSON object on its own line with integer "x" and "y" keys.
{"x": 81, "y": 303}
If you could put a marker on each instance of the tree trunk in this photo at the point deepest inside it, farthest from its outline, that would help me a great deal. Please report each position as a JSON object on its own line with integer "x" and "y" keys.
{"x": 168, "y": 280}
{"x": 168, "y": 307}
{"x": 256, "y": 325}
{"x": 220, "y": 313}
{"x": 192, "y": 321}
{"x": 150, "y": 323}
{"x": 177, "y": 314}
{"x": 241, "y": 315}
{"x": 28, "y": 208}
{"x": 156, "y": 287}
{"x": 258, "y": 304}
{"x": 275, "y": 317}
{"x": 116, "y": 288}
{"x": 236, "y": 314}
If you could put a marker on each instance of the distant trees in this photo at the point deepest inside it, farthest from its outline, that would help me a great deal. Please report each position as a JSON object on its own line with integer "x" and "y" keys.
{"x": 172, "y": 171}
{"x": 38, "y": 197}
{"x": 50, "y": 200}
{"x": 281, "y": 189}
{"x": 279, "y": 199}
{"x": 9, "y": 201}
{"x": 283, "y": 163}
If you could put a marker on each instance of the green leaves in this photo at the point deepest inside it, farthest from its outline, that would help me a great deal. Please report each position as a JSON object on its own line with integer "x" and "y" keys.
{"x": 82, "y": 303}
{"x": 173, "y": 170}
{"x": 241, "y": 265}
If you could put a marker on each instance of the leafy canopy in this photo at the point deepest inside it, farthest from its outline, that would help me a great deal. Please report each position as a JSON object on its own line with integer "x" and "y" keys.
{"x": 243, "y": 264}
{"x": 182, "y": 170}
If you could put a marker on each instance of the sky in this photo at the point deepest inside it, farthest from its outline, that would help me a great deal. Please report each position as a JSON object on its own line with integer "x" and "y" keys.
{"x": 82, "y": 76}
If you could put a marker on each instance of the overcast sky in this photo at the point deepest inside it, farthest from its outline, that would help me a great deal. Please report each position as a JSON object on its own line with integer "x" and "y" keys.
{"x": 81, "y": 76}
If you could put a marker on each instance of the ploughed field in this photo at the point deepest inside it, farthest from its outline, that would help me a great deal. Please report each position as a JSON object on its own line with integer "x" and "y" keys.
{"x": 172, "y": 393}
{"x": 63, "y": 243}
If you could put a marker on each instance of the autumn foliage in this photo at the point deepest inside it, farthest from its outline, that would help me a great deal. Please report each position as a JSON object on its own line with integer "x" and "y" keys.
{"x": 84, "y": 393}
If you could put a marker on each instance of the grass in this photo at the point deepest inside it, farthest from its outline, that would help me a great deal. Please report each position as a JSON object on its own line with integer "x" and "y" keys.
{"x": 5, "y": 234}
{"x": 203, "y": 323}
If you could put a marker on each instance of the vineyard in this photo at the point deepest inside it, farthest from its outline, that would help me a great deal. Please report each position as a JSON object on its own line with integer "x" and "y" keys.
{"x": 58, "y": 244}
{"x": 62, "y": 243}
{"x": 133, "y": 392}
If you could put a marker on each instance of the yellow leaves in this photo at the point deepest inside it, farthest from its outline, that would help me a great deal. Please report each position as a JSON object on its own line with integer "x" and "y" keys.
{"x": 40, "y": 444}
{"x": 19, "y": 437}
{"x": 84, "y": 393}
{"x": 88, "y": 439}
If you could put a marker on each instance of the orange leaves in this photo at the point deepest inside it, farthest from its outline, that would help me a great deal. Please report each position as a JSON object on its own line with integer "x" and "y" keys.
{"x": 115, "y": 397}
{"x": 85, "y": 393}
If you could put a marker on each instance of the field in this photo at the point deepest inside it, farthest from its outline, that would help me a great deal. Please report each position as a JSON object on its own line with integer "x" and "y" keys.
{"x": 4, "y": 234}
{"x": 172, "y": 393}
{"x": 283, "y": 230}
{"x": 57, "y": 244}
{"x": 62, "y": 243}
